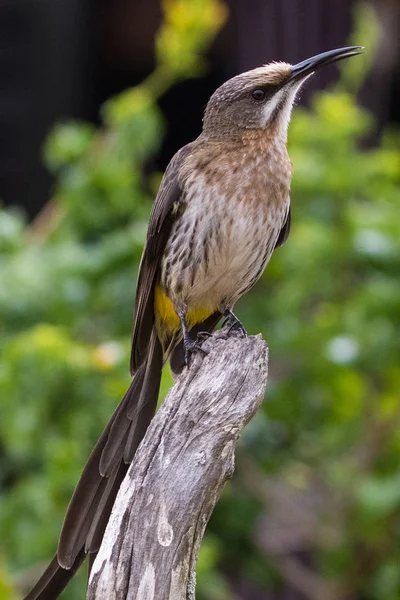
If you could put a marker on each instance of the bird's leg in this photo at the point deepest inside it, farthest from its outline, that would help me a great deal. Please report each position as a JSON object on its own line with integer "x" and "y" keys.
{"x": 233, "y": 322}
{"x": 190, "y": 346}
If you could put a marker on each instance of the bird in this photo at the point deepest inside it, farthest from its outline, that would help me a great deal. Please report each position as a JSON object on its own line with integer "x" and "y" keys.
{"x": 222, "y": 208}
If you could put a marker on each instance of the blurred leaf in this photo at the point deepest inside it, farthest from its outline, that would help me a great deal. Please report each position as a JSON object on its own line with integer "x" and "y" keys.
{"x": 379, "y": 496}
{"x": 7, "y": 591}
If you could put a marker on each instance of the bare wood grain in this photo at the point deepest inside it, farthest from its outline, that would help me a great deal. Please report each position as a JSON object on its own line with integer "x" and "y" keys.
{"x": 150, "y": 547}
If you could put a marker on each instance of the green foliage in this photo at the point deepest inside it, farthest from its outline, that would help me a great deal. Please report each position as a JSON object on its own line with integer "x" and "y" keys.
{"x": 328, "y": 306}
{"x": 186, "y": 34}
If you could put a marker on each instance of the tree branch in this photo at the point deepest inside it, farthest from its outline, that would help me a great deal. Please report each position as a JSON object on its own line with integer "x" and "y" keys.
{"x": 150, "y": 547}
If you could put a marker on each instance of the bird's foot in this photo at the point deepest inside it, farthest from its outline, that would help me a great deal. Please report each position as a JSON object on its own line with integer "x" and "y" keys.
{"x": 233, "y": 324}
{"x": 191, "y": 347}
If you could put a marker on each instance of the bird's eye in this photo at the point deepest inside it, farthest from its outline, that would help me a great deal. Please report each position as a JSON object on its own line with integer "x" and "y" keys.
{"x": 258, "y": 94}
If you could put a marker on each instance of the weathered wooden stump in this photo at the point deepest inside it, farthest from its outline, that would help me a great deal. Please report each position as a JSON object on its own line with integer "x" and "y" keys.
{"x": 150, "y": 547}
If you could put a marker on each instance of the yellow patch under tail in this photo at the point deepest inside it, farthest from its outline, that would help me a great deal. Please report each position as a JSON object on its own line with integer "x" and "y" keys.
{"x": 166, "y": 317}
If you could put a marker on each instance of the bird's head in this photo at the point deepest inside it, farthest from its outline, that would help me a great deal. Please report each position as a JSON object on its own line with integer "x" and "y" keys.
{"x": 262, "y": 99}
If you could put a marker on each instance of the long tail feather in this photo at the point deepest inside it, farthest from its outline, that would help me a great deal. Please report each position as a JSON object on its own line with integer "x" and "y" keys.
{"x": 100, "y": 519}
{"x": 54, "y": 579}
{"x": 91, "y": 504}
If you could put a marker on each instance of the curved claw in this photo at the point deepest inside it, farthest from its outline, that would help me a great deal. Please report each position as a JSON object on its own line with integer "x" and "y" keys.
{"x": 192, "y": 347}
{"x": 234, "y": 324}
{"x": 203, "y": 335}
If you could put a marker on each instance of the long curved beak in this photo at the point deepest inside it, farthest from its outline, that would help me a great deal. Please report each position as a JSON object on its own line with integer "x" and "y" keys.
{"x": 306, "y": 67}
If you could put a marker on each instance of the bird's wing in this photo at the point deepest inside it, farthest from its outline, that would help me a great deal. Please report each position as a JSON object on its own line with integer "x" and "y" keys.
{"x": 160, "y": 224}
{"x": 284, "y": 232}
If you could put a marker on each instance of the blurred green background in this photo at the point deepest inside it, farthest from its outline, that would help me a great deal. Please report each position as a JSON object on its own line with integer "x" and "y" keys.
{"x": 313, "y": 510}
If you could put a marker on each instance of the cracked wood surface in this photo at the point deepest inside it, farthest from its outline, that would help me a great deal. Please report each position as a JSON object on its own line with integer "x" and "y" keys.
{"x": 150, "y": 547}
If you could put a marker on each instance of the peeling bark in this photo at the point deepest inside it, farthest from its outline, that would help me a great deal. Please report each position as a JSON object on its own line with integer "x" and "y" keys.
{"x": 150, "y": 547}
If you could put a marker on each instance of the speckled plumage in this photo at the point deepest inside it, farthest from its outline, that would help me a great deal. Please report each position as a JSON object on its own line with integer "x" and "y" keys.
{"x": 234, "y": 202}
